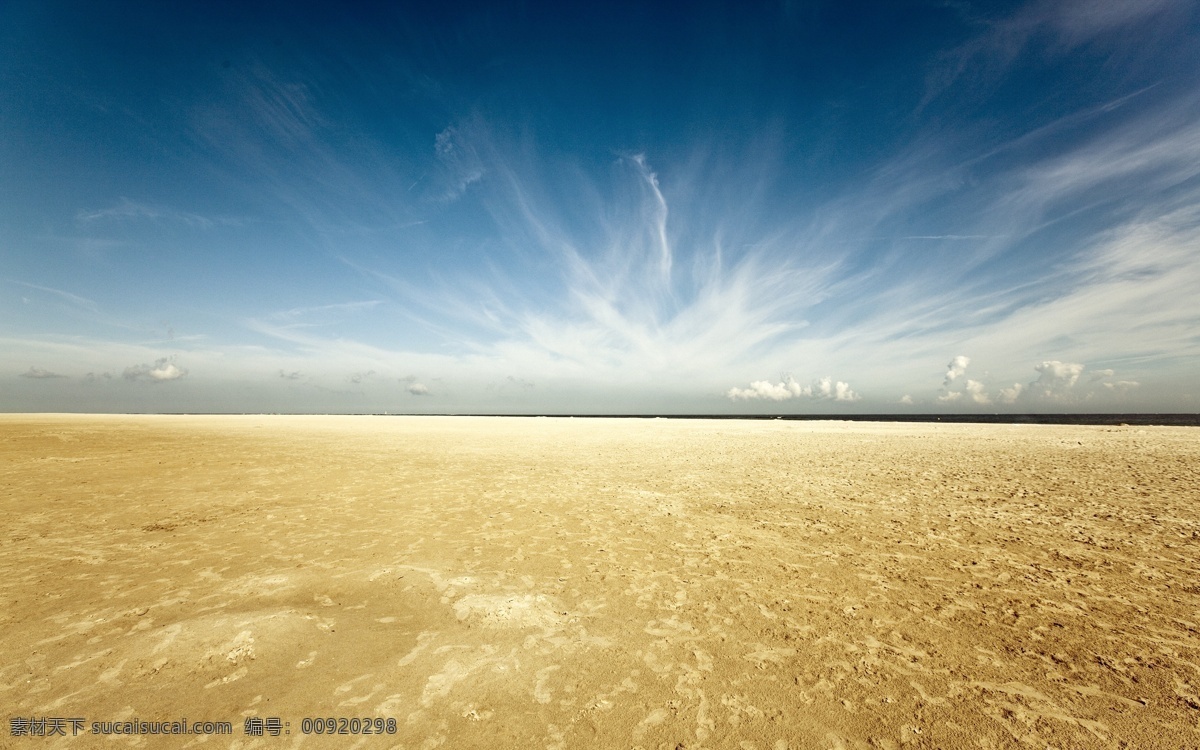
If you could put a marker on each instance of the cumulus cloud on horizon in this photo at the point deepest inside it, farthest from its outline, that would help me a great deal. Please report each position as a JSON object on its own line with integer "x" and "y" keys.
{"x": 1061, "y": 382}
{"x": 418, "y": 389}
{"x": 40, "y": 374}
{"x": 974, "y": 390}
{"x": 1121, "y": 385}
{"x": 1103, "y": 379}
{"x": 161, "y": 371}
{"x": 1055, "y": 378}
{"x": 822, "y": 388}
{"x": 1010, "y": 395}
{"x": 956, "y": 368}
{"x": 1058, "y": 382}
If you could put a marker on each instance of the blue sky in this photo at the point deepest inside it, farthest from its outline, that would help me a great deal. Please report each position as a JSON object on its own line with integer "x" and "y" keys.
{"x": 524, "y": 207}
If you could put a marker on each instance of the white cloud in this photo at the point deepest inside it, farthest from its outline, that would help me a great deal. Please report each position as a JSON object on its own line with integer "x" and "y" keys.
{"x": 838, "y": 391}
{"x": 319, "y": 314}
{"x": 1010, "y": 395}
{"x": 906, "y": 400}
{"x": 162, "y": 370}
{"x": 1056, "y": 378}
{"x": 414, "y": 386}
{"x": 1060, "y": 24}
{"x": 74, "y": 299}
{"x": 823, "y": 388}
{"x": 761, "y": 389}
{"x": 976, "y": 391}
{"x": 625, "y": 307}
{"x": 973, "y": 389}
{"x": 460, "y": 161}
{"x": 1080, "y": 20}
{"x": 659, "y": 217}
{"x": 955, "y": 369}
{"x": 946, "y": 237}
{"x": 1121, "y": 385}
{"x": 1061, "y": 383}
{"x": 127, "y": 209}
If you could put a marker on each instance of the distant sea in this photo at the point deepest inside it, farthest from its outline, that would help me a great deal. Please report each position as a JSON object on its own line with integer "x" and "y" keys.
{"x": 1186, "y": 420}
{"x": 1174, "y": 420}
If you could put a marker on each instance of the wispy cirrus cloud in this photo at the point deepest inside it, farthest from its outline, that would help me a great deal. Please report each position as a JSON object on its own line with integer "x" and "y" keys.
{"x": 623, "y": 298}
{"x": 639, "y": 275}
{"x": 628, "y": 300}
{"x": 1048, "y": 27}
{"x": 74, "y": 299}
{"x": 318, "y": 315}
{"x": 127, "y": 210}
{"x": 270, "y": 128}
{"x": 684, "y": 257}
{"x": 460, "y": 165}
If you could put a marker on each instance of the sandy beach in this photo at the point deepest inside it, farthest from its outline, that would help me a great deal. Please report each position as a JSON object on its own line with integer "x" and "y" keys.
{"x": 562, "y": 583}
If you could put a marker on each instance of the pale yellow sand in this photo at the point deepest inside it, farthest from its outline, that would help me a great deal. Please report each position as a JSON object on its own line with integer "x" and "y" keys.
{"x": 558, "y": 583}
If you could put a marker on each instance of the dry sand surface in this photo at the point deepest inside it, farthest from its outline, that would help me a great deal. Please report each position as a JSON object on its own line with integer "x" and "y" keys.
{"x": 562, "y": 583}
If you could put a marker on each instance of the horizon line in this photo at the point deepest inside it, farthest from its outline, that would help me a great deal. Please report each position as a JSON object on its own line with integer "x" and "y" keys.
{"x": 1176, "y": 419}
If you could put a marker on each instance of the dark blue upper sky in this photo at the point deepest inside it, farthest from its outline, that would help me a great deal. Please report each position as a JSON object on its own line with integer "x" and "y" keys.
{"x": 600, "y": 207}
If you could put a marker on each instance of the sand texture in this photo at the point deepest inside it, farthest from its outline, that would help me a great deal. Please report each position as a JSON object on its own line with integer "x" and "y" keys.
{"x": 564, "y": 583}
